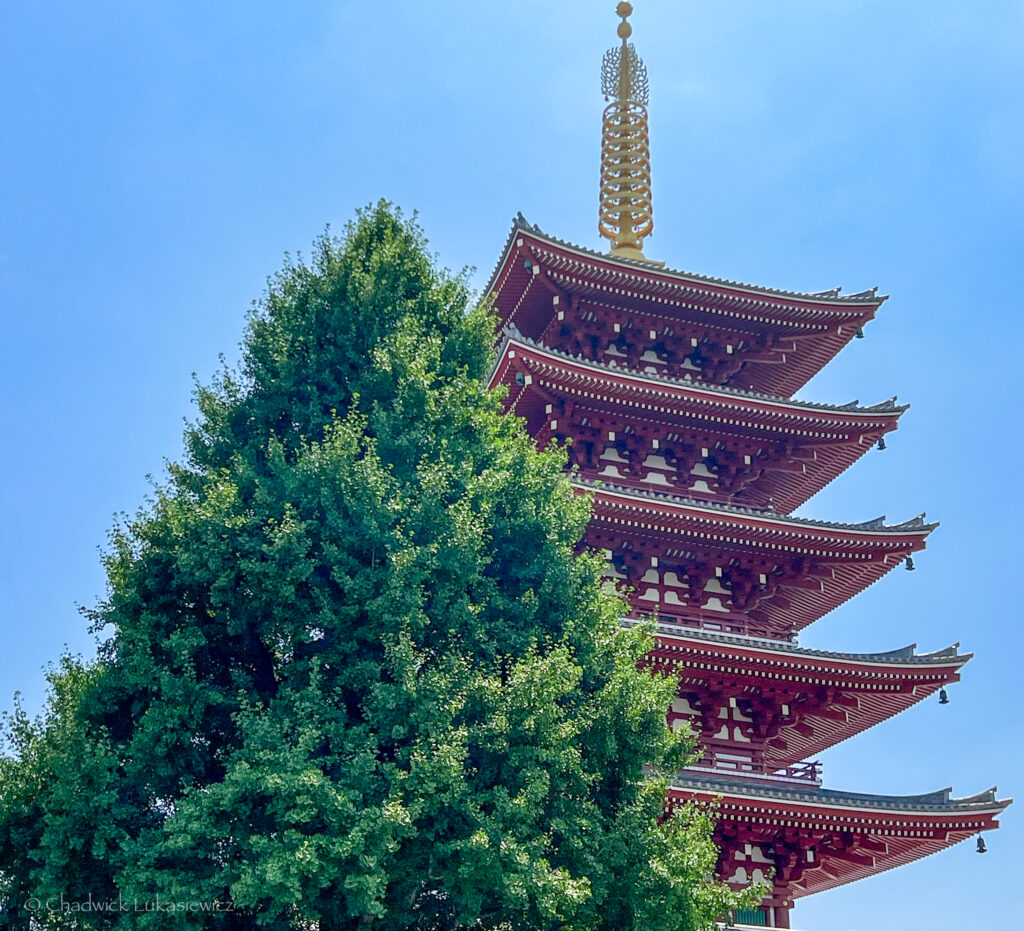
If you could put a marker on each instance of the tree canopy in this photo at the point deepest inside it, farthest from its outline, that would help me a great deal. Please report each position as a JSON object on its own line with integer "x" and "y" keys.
{"x": 351, "y": 672}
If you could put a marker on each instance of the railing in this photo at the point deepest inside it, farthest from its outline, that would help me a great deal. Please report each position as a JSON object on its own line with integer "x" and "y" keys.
{"x": 716, "y": 625}
{"x": 799, "y": 773}
{"x": 748, "y": 920}
{"x": 671, "y": 623}
{"x": 735, "y": 926}
{"x": 808, "y": 772}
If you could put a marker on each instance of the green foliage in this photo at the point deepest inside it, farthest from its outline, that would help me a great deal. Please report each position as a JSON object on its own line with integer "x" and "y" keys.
{"x": 353, "y": 674}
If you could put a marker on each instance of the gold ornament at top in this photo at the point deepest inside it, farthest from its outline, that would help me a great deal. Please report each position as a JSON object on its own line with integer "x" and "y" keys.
{"x": 626, "y": 217}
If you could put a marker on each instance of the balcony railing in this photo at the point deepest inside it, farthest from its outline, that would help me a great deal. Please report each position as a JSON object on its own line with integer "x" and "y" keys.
{"x": 748, "y": 920}
{"x": 806, "y": 772}
{"x": 736, "y": 926}
{"x": 799, "y": 773}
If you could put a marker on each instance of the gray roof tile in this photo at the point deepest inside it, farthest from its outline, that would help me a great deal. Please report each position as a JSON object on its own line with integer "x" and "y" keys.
{"x": 869, "y": 297}
{"x": 914, "y": 525}
{"x": 938, "y": 801}
{"x": 884, "y": 407}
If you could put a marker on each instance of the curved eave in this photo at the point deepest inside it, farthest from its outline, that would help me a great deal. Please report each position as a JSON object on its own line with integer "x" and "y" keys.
{"x": 886, "y": 831}
{"x": 834, "y": 436}
{"x": 757, "y": 295}
{"x": 641, "y": 384}
{"x": 737, "y": 519}
{"x": 850, "y": 557}
{"x": 873, "y": 687}
{"x": 907, "y": 655}
{"x": 814, "y": 805}
{"x": 822, "y": 323}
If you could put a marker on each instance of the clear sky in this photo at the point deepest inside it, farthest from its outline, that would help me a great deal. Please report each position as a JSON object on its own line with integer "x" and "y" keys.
{"x": 157, "y": 160}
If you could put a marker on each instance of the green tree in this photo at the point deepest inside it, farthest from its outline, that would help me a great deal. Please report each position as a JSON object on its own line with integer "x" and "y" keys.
{"x": 351, "y": 672}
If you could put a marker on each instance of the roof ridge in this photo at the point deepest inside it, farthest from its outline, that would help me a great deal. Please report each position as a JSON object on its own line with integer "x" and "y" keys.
{"x": 940, "y": 799}
{"x": 916, "y": 523}
{"x": 861, "y": 297}
{"x": 512, "y": 333}
{"x": 908, "y": 653}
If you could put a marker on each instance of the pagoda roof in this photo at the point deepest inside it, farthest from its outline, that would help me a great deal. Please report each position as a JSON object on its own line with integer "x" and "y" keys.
{"x": 927, "y": 803}
{"x": 821, "y": 322}
{"x": 650, "y": 380}
{"x": 835, "y": 695}
{"x": 520, "y": 225}
{"x": 839, "y": 434}
{"x": 877, "y": 527}
{"x": 846, "y": 558}
{"x": 853, "y": 834}
{"x": 904, "y": 656}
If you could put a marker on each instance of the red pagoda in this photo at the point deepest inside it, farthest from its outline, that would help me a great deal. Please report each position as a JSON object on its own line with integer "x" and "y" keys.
{"x": 673, "y": 394}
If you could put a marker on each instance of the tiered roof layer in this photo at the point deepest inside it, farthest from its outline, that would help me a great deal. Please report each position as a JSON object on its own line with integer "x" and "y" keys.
{"x": 848, "y": 557}
{"x": 830, "y": 437}
{"x": 833, "y": 696}
{"x": 799, "y": 332}
{"x": 853, "y": 835}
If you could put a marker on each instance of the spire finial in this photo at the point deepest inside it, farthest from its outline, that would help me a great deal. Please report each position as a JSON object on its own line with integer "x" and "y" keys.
{"x": 625, "y": 10}
{"x": 625, "y": 217}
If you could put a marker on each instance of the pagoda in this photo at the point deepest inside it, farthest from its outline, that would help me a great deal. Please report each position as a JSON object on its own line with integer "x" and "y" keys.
{"x": 672, "y": 393}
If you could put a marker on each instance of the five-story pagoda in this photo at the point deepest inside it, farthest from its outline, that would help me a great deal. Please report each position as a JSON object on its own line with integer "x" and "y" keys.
{"x": 673, "y": 393}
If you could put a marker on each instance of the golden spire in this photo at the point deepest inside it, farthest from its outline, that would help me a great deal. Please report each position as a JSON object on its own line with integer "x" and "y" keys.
{"x": 626, "y": 216}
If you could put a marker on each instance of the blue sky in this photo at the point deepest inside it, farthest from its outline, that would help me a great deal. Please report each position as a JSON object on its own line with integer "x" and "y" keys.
{"x": 158, "y": 159}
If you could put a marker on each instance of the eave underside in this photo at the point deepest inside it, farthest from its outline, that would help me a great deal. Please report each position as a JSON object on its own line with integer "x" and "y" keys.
{"x": 850, "y": 835}
{"x": 829, "y": 698}
{"x": 819, "y": 324}
{"x": 824, "y": 564}
{"x": 776, "y": 451}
